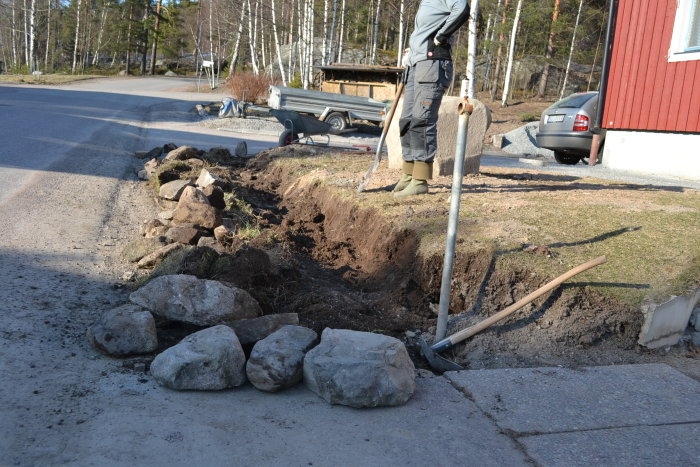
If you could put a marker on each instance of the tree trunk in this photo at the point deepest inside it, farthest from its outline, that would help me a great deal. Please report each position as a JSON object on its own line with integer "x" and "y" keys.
{"x": 542, "y": 90}
{"x": 471, "y": 57}
{"x": 251, "y": 40}
{"x": 571, "y": 50}
{"x": 342, "y": 31}
{"x": 98, "y": 47}
{"x": 128, "y": 40}
{"x": 511, "y": 53}
{"x": 375, "y": 34}
{"x": 399, "y": 51}
{"x": 26, "y": 33}
{"x": 236, "y": 48}
{"x": 329, "y": 51}
{"x": 32, "y": 8}
{"x": 156, "y": 29}
{"x": 595, "y": 59}
{"x": 277, "y": 43}
{"x": 325, "y": 33}
{"x": 144, "y": 37}
{"x": 48, "y": 37}
{"x": 77, "y": 30}
{"x": 499, "y": 53}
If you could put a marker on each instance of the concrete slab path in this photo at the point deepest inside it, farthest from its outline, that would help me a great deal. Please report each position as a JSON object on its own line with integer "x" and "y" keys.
{"x": 614, "y": 415}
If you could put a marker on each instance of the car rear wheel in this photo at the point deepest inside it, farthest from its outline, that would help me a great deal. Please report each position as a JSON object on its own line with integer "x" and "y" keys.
{"x": 566, "y": 159}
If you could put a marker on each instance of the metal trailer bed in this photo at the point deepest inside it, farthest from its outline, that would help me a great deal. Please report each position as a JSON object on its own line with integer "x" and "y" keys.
{"x": 338, "y": 110}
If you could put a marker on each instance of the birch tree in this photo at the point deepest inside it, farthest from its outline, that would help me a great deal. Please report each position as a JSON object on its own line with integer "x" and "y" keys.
{"x": 277, "y": 43}
{"x": 499, "y": 53}
{"x": 31, "y": 37}
{"x": 375, "y": 34}
{"x": 400, "y": 48}
{"x": 77, "y": 36}
{"x": 342, "y": 32}
{"x": 251, "y": 40}
{"x": 571, "y": 50}
{"x": 511, "y": 53}
{"x": 471, "y": 57}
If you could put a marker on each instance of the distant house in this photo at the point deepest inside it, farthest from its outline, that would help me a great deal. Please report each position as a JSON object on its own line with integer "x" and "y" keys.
{"x": 652, "y": 101}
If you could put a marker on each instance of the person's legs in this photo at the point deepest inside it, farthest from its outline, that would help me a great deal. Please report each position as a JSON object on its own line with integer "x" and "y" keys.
{"x": 404, "y": 124}
{"x": 428, "y": 90}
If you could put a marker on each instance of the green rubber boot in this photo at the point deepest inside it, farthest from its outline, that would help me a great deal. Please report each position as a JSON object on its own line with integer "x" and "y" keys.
{"x": 406, "y": 176}
{"x": 422, "y": 171}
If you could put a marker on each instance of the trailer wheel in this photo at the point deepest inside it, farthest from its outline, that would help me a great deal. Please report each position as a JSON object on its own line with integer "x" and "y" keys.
{"x": 287, "y": 138}
{"x": 337, "y": 121}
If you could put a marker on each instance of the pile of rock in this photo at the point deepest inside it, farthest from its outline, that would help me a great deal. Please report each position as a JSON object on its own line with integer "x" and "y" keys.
{"x": 351, "y": 368}
{"x": 193, "y": 207}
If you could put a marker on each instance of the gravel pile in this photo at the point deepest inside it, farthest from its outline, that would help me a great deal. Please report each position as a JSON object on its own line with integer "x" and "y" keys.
{"x": 261, "y": 123}
{"x": 256, "y": 122}
{"x": 523, "y": 141}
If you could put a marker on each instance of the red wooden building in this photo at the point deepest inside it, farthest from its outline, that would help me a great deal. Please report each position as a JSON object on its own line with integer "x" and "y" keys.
{"x": 652, "y": 101}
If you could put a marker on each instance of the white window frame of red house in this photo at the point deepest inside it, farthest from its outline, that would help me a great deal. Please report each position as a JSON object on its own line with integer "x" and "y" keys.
{"x": 687, "y": 11}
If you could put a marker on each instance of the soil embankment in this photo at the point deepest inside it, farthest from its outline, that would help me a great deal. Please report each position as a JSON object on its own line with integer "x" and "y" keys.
{"x": 344, "y": 262}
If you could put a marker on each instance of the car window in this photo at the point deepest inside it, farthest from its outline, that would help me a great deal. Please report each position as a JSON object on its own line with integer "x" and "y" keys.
{"x": 574, "y": 101}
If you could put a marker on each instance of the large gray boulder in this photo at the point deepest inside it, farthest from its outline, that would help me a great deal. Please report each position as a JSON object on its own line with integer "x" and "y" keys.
{"x": 208, "y": 360}
{"x": 185, "y": 298}
{"x": 277, "y": 361}
{"x": 360, "y": 369}
{"x": 126, "y": 330}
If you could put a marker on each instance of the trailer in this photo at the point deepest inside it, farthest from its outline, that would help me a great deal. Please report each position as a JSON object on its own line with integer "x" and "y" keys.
{"x": 338, "y": 110}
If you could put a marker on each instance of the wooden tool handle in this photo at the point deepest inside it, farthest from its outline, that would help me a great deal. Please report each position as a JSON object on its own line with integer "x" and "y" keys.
{"x": 470, "y": 331}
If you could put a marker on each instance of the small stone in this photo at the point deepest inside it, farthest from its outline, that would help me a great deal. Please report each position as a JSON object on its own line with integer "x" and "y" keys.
{"x": 250, "y": 331}
{"x": 207, "y": 178}
{"x": 276, "y": 361}
{"x": 223, "y": 234}
{"x": 211, "y": 242}
{"x": 186, "y": 234}
{"x": 215, "y": 195}
{"x": 157, "y": 256}
{"x": 241, "y": 149}
{"x": 125, "y": 330}
{"x": 139, "y": 248}
{"x": 173, "y": 190}
{"x": 192, "y": 194}
{"x": 140, "y": 367}
{"x": 143, "y": 174}
{"x": 166, "y": 215}
{"x": 208, "y": 360}
{"x": 182, "y": 153}
{"x": 129, "y": 276}
{"x": 200, "y": 214}
{"x": 194, "y": 208}
{"x": 150, "y": 167}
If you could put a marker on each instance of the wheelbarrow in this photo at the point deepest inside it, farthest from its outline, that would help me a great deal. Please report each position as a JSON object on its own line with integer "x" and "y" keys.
{"x": 298, "y": 127}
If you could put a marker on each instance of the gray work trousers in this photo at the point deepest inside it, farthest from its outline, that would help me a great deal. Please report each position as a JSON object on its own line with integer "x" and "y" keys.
{"x": 426, "y": 82}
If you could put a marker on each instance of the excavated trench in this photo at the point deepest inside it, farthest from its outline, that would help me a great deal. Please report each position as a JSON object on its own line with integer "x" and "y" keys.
{"x": 339, "y": 265}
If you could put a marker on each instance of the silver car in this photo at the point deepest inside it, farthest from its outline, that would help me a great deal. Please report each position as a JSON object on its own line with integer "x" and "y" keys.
{"x": 565, "y": 127}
